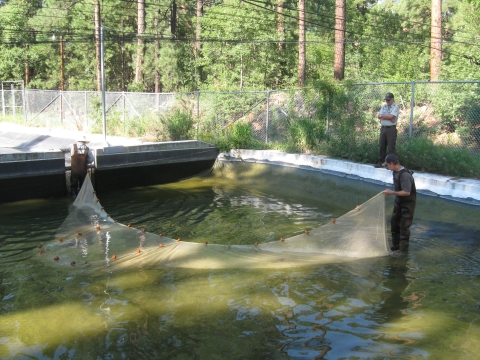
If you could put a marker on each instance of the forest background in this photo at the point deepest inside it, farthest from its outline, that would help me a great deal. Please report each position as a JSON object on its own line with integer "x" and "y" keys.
{"x": 159, "y": 46}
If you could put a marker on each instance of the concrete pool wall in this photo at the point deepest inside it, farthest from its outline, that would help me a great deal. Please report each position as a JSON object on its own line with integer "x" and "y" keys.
{"x": 452, "y": 188}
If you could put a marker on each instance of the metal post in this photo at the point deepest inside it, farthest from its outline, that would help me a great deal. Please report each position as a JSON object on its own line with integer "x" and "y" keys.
{"x": 412, "y": 105}
{"x": 198, "y": 111}
{"x": 268, "y": 116}
{"x": 13, "y": 100}
{"x": 85, "y": 104}
{"x": 3, "y": 101}
{"x": 102, "y": 75}
{"x": 328, "y": 108}
{"x": 24, "y": 105}
{"x": 61, "y": 106}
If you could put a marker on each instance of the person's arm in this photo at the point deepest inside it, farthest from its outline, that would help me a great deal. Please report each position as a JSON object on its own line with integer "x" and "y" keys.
{"x": 397, "y": 193}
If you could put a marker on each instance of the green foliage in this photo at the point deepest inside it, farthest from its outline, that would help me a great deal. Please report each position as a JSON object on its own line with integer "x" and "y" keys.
{"x": 424, "y": 155}
{"x": 306, "y": 134}
{"x": 179, "y": 124}
{"x": 236, "y": 136}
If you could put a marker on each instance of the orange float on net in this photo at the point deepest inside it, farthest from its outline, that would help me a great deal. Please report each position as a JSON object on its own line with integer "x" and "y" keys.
{"x": 102, "y": 208}
{"x": 333, "y": 221}
{"x": 79, "y": 234}
{"x": 160, "y": 235}
{"x": 116, "y": 220}
{"x": 205, "y": 243}
{"x": 56, "y": 258}
{"x": 160, "y": 245}
{"x": 42, "y": 252}
{"x": 282, "y": 239}
{"x": 98, "y": 200}
{"x": 60, "y": 239}
{"x": 307, "y": 232}
{"x": 139, "y": 251}
{"x": 143, "y": 230}
{"x": 114, "y": 257}
{"x": 97, "y": 228}
{"x": 179, "y": 239}
{"x": 256, "y": 243}
{"x": 72, "y": 263}
{"x": 129, "y": 225}
{"x": 94, "y": 192}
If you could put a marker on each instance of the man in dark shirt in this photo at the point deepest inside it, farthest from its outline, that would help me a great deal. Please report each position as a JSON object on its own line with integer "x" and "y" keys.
{"x": 405, "y": 201}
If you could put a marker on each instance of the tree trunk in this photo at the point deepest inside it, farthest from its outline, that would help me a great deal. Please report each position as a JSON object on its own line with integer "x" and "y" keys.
{"x": 140, "y": 42}
{"x": 280, "y": 27}
{"x": 339, "y": 61}
{"x": 198, "y": 45}
{"x": 96, "y": 15}
{"x": 27, "y": 67}
{"x": 158, "y": 87}
{"x": 436, "y": 40}
{"x": 301, "y": 43}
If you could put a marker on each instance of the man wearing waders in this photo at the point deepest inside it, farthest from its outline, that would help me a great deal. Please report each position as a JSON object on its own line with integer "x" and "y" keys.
{"x": 405, "y": 201}
{"x": 81, "y": 157}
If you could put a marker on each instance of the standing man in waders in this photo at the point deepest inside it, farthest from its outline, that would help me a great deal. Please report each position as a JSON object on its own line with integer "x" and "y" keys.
{"x": 81, "y": 157}
{"x": 405, "y": 201}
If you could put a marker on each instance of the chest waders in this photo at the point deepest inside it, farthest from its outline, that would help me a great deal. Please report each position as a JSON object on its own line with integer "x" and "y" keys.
{"x": 402, "y": 216}
{"x": 79, "y": 169}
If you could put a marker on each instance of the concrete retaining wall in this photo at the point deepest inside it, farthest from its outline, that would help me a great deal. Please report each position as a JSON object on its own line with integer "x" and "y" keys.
{"x": 464, "y": 190}
{"x": 30, "y": 175}
{"x": 121, "y": 167}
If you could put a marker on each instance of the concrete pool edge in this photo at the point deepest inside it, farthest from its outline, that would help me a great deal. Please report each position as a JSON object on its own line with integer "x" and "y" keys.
{"x": 451, "y": 188}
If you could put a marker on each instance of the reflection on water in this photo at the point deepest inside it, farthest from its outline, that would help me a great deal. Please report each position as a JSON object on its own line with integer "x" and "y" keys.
{"x": 423, "y": 305}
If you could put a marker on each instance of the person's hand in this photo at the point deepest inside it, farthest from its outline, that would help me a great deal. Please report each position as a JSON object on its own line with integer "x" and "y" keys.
{"x": 388, "y": 192}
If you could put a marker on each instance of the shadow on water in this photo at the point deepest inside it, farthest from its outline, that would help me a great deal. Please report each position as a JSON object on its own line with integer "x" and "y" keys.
{"x": 420, "y": 305}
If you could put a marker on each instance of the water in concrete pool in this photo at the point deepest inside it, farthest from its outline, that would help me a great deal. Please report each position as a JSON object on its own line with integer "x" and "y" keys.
{"x": 423, "y": 304}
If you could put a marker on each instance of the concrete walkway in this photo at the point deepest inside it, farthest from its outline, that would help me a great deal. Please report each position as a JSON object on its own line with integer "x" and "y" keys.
{"x": 17, "y": 138}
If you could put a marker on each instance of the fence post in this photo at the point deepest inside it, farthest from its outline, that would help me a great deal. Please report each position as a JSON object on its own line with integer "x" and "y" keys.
{"x": 412, "y": 104}
{"x": 198, "y": 112}
{"x": 24, "y": 106}
{"x": 85, "y": 104}
{"x": 268, "y": 116}
{"x": 13, "y": 101}
{"x": 328, "y": 108}
{"x": 3, "y": 101}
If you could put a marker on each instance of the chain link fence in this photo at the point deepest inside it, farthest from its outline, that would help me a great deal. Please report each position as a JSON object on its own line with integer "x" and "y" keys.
{"x": 443, "y": 113}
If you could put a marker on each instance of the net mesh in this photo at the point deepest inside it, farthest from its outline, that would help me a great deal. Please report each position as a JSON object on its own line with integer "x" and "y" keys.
{"x": 89, "y": 237}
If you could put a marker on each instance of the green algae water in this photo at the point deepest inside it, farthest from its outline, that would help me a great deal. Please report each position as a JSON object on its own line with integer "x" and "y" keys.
{"x": 416, "y": 306}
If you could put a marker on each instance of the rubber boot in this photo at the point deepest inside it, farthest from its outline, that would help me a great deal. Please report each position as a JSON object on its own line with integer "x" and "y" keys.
{"x": 403, "y": 246}
{"x": 395, "y": 243}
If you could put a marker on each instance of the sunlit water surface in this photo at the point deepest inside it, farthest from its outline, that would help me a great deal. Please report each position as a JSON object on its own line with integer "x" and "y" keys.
{"x": 417, "y": 306}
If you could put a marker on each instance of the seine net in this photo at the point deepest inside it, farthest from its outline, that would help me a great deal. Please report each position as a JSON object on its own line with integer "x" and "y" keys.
{"x": 89, "y": 237}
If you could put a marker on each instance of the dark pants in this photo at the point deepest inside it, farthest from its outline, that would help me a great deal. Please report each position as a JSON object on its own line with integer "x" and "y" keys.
{"x": 388, "y": 137}
{"x": 402, "y": 218}
{"x": 76, "y": 182}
